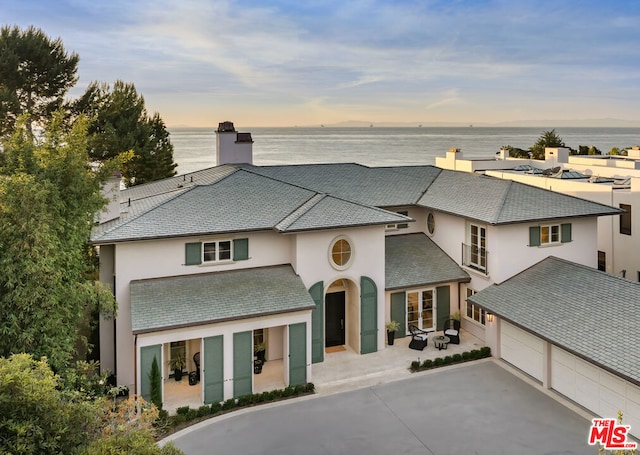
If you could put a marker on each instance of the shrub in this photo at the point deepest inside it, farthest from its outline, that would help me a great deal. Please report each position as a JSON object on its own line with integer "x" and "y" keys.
{"x": 485, "y": 351}
{"x": 215, "y": 407}
{"x": 203, "y": 410}
{"x": 447, "y": 360}
{"x": 427, "y": 363}
{"x": 245, "y": 400}
{"x": 183, "y": 410}
{"x": 229, "y": 404}
{"x": 457, "y": 358}
{"x": 310, "y": 387}
{"x": 438, "y": 361}
{"x": 466, "y": 355}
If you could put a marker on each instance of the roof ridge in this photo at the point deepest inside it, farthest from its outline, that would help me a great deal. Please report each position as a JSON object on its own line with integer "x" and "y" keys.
{"x": 429, "y": 184}
{"x": 498, "y": 216}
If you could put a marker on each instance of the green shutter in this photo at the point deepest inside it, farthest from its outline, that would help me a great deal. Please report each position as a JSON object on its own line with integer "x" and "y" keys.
{"x": 368, "y": 315}
{"x": 534, "y": 236}
{"x": 565, "y": 232}
{"x": 317, "y": 323}
{"x": 399, "y": 312}
{"x": 192, "y": 253}
{"x": 242, "y": 363}
{"x": 240, "y": 249}
{"x": 297, "y": 354}
{"x": 147, "y": 354}
{"x": 443, "y": 299}
{"x": 213, "y": 370}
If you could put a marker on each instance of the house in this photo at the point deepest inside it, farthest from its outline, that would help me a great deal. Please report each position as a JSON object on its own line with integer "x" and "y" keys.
{"x": 304, "y": 258}
{"x": 575, "y": 339}
{"x": 611, "y": 180}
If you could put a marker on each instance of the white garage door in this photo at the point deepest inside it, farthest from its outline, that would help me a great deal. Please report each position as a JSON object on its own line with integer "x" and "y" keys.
{"x": 521, "y": 349}
{"x": 594, "y": 388}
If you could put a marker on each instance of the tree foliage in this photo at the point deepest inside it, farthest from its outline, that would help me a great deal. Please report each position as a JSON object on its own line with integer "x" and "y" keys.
{"x": 156, "y": 384}
{"x": 120, "y": 123}
{"x": 546, "y": 139}
{"x": 48, "y": 198}
{"x": 36, "y": 415}
{"x": 35, "y": 74}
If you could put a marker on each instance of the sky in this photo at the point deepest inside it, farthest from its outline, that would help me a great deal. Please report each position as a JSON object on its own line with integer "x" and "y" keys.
{"x": 297, "y": 62}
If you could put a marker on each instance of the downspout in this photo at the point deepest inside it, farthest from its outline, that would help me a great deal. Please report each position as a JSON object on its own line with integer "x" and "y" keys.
{"x": 135, "y": 362}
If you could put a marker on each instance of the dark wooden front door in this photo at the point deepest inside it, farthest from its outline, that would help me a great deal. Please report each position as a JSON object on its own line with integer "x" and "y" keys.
{"x": 334, "y": 319}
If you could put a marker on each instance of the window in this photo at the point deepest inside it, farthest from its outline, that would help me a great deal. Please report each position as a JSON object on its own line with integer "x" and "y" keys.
{"x": 217, "y": 251}
{"x": 473, "y": 312}
{"x": 341, "y": 253}
{"x": 399, "y": 225}
{"x": 420, "y": 309}
{"x": 549, "y": 234}
{"x": 478, "y": 256}
{"x": 602, "y": 261}
{"x": 625, "y": 219}
{"x": 431, "y": 223}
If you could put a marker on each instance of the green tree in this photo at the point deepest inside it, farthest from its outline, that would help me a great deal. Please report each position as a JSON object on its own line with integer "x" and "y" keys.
{"x": 546, "y": 139}
{"x": 35, "y": 74}
{"x": 48, "y": 199}
{"x": 120, "y": 123}
{"x": 156, "y": 384}
{"x": 36, "y": 415}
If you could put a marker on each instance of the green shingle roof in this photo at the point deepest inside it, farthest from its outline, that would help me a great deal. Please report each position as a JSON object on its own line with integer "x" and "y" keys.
{"x": 243, "y": 197}
{"x": 590, "y": 313}
{"x": 414, "y": 260}
{"x": 165, "y": 303}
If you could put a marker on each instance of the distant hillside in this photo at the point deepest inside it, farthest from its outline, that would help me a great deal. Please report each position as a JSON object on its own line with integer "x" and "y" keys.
{"x": 585, "y": 123}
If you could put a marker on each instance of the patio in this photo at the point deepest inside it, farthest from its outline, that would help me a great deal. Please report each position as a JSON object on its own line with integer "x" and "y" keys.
{"x": 347, "y": 370}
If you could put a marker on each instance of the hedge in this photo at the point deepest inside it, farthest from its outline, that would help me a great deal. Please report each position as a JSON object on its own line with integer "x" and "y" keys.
{"x": 466, "y": 356}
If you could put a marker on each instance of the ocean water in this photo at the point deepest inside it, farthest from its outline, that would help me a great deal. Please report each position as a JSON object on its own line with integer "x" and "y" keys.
{"x": 194, "y": 148}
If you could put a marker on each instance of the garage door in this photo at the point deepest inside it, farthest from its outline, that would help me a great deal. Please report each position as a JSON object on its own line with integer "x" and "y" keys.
{"x": 521, "y": 349}
{"x": 594, "y": 388}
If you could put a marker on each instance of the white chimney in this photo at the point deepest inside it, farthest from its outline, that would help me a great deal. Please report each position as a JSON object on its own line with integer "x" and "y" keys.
{"x": 111, "y": 191}
{"x": 233, "y": 147}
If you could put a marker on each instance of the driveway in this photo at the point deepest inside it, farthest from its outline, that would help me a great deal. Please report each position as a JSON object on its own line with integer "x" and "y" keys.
{"x": 475, "y": 408}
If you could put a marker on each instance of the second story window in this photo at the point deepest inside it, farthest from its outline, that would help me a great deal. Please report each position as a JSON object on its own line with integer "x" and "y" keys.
{"x": 625, "y": 219}
{"x": 216, "y": 251}
{"x": 549, "y": 234}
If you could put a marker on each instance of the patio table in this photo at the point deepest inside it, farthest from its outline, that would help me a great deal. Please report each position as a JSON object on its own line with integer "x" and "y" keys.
{"x": 441, "y": 342}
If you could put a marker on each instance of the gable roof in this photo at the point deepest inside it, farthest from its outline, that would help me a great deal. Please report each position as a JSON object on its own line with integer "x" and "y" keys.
{"x": 188, "y": 300}
{"x": 413, "y": 260}
{"x": 292, "y": 198}
{"x": 585, "y": 311}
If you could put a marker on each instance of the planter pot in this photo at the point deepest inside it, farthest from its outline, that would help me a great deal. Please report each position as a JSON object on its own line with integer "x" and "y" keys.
{"x": 260, "y": 355}
{"x": 391, "y": 337}
{"x": 177, "y": 375}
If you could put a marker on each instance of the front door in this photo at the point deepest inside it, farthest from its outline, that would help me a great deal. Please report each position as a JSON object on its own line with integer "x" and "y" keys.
{"x": 334, "y": 318}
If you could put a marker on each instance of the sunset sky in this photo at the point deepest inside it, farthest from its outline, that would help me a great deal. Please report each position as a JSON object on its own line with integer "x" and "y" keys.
{"x": 293, "y": 62}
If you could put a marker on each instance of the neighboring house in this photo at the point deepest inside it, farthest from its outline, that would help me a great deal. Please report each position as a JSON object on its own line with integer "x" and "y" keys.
{"x": 573, "y": 329}
{"x": 611, "y": 180}
{"x": 307, "y": 257}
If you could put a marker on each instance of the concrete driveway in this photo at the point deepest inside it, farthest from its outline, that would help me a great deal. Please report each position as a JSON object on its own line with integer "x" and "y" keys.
{"x": 474, "y": 408}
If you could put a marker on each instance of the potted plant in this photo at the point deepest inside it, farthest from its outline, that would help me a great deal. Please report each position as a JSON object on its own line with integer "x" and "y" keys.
{"x": 259, "y": 351}
{"x": 177, "y": 363}
{"x": 391, "y": 326}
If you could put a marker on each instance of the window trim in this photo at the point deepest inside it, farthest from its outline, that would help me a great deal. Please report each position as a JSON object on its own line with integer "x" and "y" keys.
{"x": 550, "y": 234}
{"x": 217, "y": 259}
{"x": 470, "y": 307}
{"x": 431, "y": 227}
{"x": 481, "y": 247}
{"x": 349, "y": 261}
{"x": 434, "y": 306}
{"x": 396, "y": 226}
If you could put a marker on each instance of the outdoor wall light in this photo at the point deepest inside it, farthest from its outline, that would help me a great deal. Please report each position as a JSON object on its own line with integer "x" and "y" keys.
{"x": 489, "y": 317}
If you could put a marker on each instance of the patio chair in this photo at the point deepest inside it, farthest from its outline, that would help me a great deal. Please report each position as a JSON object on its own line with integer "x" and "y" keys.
{"x": 196, "y": 360}
{"x": 452, "y": 330}
{"x": 418, "y": 338}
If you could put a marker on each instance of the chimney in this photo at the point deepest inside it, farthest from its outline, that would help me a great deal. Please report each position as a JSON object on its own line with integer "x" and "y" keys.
{"x": 233, "y": 147}
{"x": 111, "y": 191}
